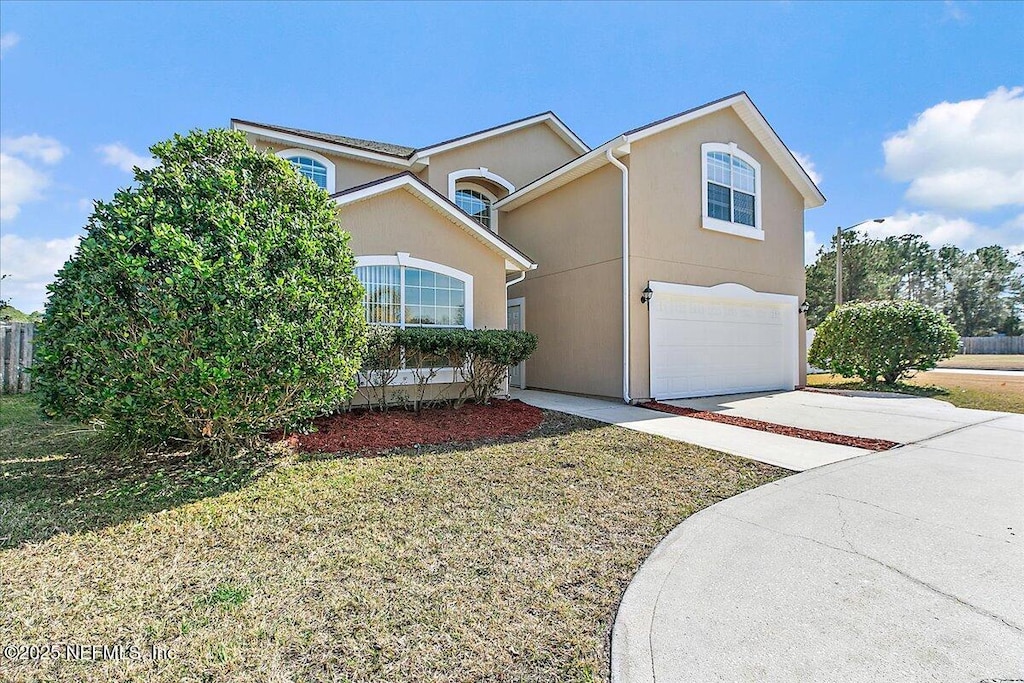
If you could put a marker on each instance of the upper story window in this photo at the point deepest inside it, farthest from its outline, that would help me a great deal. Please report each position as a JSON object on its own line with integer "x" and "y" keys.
{"x": 475, "y": 190}
{"x": 476, "y": 204}
{"x": 732, "y": 189}
{"x": 408, "y": 296}
{"x": 314, "y": 166}
{"x": 311, "y": 168}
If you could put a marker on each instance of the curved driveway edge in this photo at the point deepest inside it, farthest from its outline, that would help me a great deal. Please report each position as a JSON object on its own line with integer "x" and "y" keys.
{"x": 900, "y": 565}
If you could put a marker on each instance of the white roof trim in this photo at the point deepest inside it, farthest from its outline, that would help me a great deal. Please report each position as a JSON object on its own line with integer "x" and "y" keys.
{"x": 744, "y": 108}
{"x": 315, "y": 143}
{"x": 560, "y": 176}
{"x": 550, "y": 119}
{"x": 513, "y": 259}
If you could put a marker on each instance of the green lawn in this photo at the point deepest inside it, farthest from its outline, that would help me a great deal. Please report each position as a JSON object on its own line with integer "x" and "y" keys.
{"x": 503, "y": 561}
{"x": 984, "y": 392}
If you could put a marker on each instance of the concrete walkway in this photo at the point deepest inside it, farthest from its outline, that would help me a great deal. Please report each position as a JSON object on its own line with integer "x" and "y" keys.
{"x": 902, "y": 565}
{"x": 783, "y": 451}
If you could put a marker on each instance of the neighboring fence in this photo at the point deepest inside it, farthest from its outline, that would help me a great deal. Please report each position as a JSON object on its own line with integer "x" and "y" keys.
{"x": 15, "y": 357}
{"x": 993, "y": 345}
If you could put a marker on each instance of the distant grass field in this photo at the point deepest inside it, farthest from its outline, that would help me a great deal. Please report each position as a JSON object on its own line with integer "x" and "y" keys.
{"x": 983, "y": 392}
{"x": 985, "y": 362}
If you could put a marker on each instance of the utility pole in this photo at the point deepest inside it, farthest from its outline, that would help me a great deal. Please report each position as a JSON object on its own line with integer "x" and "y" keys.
{"x": 839, "y": 266}
{"x": 839, "y": 256}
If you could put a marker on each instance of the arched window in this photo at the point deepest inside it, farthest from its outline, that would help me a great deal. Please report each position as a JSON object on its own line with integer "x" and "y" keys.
{"x": 312, "y": 169}
{"x": 410, "y": 292}
{"x": 314, "y": 166}
{"x": 475, "y": 203}
{"x": 732, "y": 189}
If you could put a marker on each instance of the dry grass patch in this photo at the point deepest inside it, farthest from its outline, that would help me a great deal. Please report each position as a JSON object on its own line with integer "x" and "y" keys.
{"x": 983, "y": 392}
{"x": 985, "y": 362}
{"x": 501, "y": 561}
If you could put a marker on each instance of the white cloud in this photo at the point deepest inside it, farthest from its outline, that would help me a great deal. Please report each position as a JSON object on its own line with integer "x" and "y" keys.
{"x": 19, "y": 184}
{"x": 966, "y": 155}
{"x": 20, "y": 181}
{"x": 937, "y": 229}
{"x": 808, "y": 165}
{"x": 811, "y": 245}
{"x": 8, "y": 41}
{"x": 120, "y": 155}
{"x": 38, "y": 147}
{"x": 31, "y": 264}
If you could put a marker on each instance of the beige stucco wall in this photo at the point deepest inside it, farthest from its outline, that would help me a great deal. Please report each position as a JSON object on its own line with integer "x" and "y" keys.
{"x": 400, "y": 222}
{"x": 573, "y": 299}
{"x": 668, "y": 242}
{"x": 348, "y": 172}
{"x": 519, "y": 156}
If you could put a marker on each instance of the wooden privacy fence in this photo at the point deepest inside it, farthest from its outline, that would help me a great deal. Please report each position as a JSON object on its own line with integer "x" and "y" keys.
{"x": 15, "y": 357}
{"x": 993, "y": 345}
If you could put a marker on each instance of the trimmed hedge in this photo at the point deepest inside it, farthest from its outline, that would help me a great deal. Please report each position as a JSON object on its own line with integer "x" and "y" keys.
{"x": 887, "y": 339}
{"x": 481, "y": 358}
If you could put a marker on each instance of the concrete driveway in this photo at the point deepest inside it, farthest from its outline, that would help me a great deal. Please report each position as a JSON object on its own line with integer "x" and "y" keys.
{"x": 902, "y": 565}
{"x": 893, "y": 417}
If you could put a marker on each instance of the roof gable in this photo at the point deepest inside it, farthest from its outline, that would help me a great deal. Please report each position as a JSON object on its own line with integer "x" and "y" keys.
{"x": 514, "y": 259}
{"x": 548, "y": 118}
{"x": 619, "y": 146}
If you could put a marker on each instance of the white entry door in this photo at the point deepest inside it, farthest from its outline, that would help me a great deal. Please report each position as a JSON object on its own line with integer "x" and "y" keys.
{"x": 727, "y": 339}
{"x": 517, "y": 373}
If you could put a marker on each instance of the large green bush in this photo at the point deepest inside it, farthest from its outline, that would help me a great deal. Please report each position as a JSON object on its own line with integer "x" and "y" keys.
{"x": 882, "y": 339}
{"x": 210, "y": 302}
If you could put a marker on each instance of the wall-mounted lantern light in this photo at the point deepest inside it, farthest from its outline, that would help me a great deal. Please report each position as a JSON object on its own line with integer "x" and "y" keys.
{"x": 804, "y": 307}
{"x": 647, "y": 295}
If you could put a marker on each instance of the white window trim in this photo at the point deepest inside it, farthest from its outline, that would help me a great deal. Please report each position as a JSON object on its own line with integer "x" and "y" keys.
{"x": 328, "y": 164}
{"x": 717, "y": 224}
{"x": 457, "y": 178}
{"x": 481, "y": 172}
{"x": 404, "y": 259}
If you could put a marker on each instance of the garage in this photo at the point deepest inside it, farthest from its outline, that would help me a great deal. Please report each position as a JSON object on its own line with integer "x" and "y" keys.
{"x": 726, "y": 339}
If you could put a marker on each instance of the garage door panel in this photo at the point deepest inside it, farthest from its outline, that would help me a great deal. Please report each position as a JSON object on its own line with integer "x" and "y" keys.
{"x": 704, "y": 343}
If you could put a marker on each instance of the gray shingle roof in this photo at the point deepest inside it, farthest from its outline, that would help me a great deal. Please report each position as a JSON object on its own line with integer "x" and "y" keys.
{"x": 369, "y": 145}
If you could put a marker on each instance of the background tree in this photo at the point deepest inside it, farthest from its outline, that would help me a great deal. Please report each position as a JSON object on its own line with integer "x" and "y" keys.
{"x": 981, "y": 288}
{"x": 213, "y": 301}
{"x": 981, "y": 292}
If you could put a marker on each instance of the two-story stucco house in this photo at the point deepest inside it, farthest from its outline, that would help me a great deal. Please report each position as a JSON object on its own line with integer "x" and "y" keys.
{"x": 668, "y": 262}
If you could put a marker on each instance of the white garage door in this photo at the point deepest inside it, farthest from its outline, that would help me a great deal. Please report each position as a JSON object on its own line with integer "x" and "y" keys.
{"x": 726, "y": 339}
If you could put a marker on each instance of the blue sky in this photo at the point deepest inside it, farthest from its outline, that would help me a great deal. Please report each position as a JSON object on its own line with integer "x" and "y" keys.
{"x": 86, "y": 88}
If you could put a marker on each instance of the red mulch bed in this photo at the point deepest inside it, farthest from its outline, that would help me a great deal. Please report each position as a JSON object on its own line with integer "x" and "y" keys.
{"x": 809, "y": 434}
{"x": 374, "y": 431}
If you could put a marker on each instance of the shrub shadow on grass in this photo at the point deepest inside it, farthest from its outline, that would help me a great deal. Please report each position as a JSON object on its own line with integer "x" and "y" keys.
{"x": 60, "y": 477}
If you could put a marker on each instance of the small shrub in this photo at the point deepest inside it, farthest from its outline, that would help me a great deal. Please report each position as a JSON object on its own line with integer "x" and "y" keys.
{"x": 489, "y": 354}
{"x": 382, "y": 361}
{"x": 211, "y": 302}
{"x": 481, "y": 358}
{"x": 882, "y": 339}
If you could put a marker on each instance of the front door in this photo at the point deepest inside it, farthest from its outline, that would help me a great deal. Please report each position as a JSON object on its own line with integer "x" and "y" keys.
{"x": 516, "y": 373}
